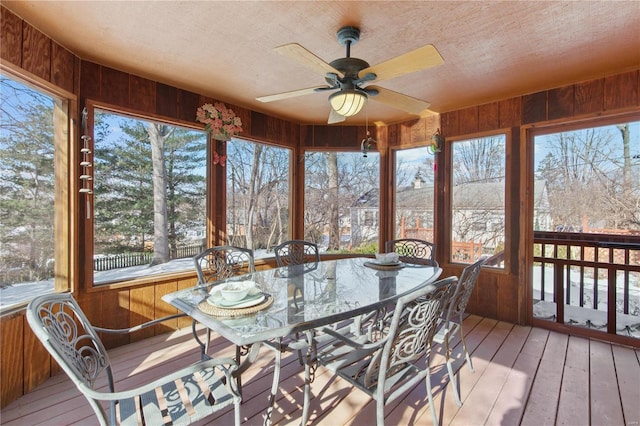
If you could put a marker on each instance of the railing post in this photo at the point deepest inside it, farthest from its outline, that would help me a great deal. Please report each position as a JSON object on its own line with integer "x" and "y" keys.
{"x": 558, "y": 282}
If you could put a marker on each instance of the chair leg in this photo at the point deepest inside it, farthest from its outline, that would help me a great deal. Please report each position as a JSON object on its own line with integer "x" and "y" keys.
{"x": 380, "y": 411}
{"x": 236, "y": 414}
{"x": 464, "y": 346}
{"x": 300, "y": 356}
{"x": 434, "y": 415}
{"x": 452, "y": 379}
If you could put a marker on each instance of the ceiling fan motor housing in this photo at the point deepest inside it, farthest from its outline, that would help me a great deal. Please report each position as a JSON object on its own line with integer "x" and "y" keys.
{"x": 350, "y": 67}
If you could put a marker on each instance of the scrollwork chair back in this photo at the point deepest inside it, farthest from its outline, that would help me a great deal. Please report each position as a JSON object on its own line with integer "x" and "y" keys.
{"x": 412, "y": 250}
{"x": 220, "y": 262}
{"x": 296, "y": 252}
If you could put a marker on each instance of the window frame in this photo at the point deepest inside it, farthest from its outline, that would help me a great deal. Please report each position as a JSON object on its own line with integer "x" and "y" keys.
{"x": 86, "y": 228}
{"x": 66, "y": 185}
{"x": 511, "y": 197}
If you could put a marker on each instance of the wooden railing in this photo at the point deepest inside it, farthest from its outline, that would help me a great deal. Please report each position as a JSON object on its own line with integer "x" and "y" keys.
{"x": 590, "y": 280}
{"x": 125, "y": 260}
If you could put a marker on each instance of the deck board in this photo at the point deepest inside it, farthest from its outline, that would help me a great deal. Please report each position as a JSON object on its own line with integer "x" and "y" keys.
{"x": 478, "y": 405}
{"x": 606, "y": 406}
{"x": 523, "y": 375}
{"x": 543, "y": 399}
{"x": 573, "y": 406}
{"x": 627, "y": 365}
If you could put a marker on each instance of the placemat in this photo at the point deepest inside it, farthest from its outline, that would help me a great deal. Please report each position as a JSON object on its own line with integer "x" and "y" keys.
{"x": 384, "y": 267}
{"x": 209, "y": 309}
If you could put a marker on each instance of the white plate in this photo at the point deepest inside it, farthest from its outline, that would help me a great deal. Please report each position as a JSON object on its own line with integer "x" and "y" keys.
{"x": 249, "y": 301}
{"x": 396, "y": 263}
{"x": 384, "y": 266}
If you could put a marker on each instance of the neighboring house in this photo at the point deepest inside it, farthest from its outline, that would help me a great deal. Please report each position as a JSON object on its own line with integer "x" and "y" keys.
{"x": 478, "y": 213}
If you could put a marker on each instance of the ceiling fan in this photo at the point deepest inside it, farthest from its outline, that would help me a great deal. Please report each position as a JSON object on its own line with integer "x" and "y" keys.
{"x": 349, "y": 75}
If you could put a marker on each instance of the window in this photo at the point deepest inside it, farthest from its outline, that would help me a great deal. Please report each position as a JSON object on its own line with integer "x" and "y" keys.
{"x": 257, "y": 195}
{"x": 414, "y": 177}
{"x": 34, "y": 125}
{"x": 588, "y": 180}
{"x": 341, "y": 203}
{"x": 149, "y": 197}
{"x": 586, "y": 223}
{"x": 478, "y": 198}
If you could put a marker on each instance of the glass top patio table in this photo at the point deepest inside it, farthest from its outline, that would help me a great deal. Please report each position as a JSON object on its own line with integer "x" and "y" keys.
{"x": 307, "y": 296}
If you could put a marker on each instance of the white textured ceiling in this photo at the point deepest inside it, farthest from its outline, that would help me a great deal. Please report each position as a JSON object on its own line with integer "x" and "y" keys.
{"x": 224, "y": 49}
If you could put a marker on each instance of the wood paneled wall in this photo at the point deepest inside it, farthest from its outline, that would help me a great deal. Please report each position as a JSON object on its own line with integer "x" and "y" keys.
{"x": 23, "y": 361}
{"x": 501, "y": 294}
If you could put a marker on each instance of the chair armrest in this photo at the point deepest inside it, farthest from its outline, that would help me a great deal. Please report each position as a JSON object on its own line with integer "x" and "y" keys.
{"x": 139, "y": 326}
{"x": 361, "y": 343}
{"x": 130, "y": 393}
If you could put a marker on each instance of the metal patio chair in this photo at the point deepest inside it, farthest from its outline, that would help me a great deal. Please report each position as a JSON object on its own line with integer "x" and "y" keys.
{"x": 413, "y": 250}
{"x": 451, "y": 322}
{"x": 389, "y": 367}
{"x": 179, "y": 398}
{"x": 220, "y": 262}
{"x": 303, "y": 254}
{"x": 296, "y": 252}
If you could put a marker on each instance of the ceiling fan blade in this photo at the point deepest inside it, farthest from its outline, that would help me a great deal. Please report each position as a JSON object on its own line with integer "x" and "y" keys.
{"x": 399, "y": 100}
{"x": 334, "y": 117}
{"x": 291, "y": 94}
{"x": 306, "y": 58}
{"x": 416, "y": 60}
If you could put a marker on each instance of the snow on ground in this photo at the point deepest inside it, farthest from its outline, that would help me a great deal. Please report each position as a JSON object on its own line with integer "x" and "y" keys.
{"x": 588, "y": 316}
{"x": 22, "y": 292}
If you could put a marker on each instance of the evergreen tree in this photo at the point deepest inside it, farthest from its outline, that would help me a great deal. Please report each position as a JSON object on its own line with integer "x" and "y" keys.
{"x": 124, "y": 186}
{"x": 26, "y": 182}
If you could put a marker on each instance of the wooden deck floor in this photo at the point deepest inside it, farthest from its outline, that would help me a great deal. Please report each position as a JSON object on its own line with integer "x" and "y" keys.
{"x": 522, "y": 375}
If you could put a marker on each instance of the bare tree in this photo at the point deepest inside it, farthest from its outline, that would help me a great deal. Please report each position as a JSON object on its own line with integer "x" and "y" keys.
{"x": 477, "y": 196}
{"x": 258, "y": 186}
{"x": 333, "y": 204}
{"x": 479, "y": 160}
{"x": 591, "y": 179}
{"x": 255, "y": 184}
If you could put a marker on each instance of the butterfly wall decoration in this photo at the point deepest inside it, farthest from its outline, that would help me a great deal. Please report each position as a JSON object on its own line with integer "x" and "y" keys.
{"x": 219, "y": 159}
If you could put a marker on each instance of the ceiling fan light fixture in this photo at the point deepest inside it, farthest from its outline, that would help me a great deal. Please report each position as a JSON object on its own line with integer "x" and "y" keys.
{"x": 348, "y": 102}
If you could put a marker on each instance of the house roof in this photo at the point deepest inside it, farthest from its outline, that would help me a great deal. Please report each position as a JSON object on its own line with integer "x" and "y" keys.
{"x": 225, "y": 49}
{"x": 468, "y": 196}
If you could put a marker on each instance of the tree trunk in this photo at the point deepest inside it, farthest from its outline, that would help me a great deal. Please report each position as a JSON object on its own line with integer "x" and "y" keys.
{"x": 626, "y": 155}
{"x": 254, "y": 185}
{"x": 158, "y": 135}
{"x": 334, "y": 224}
